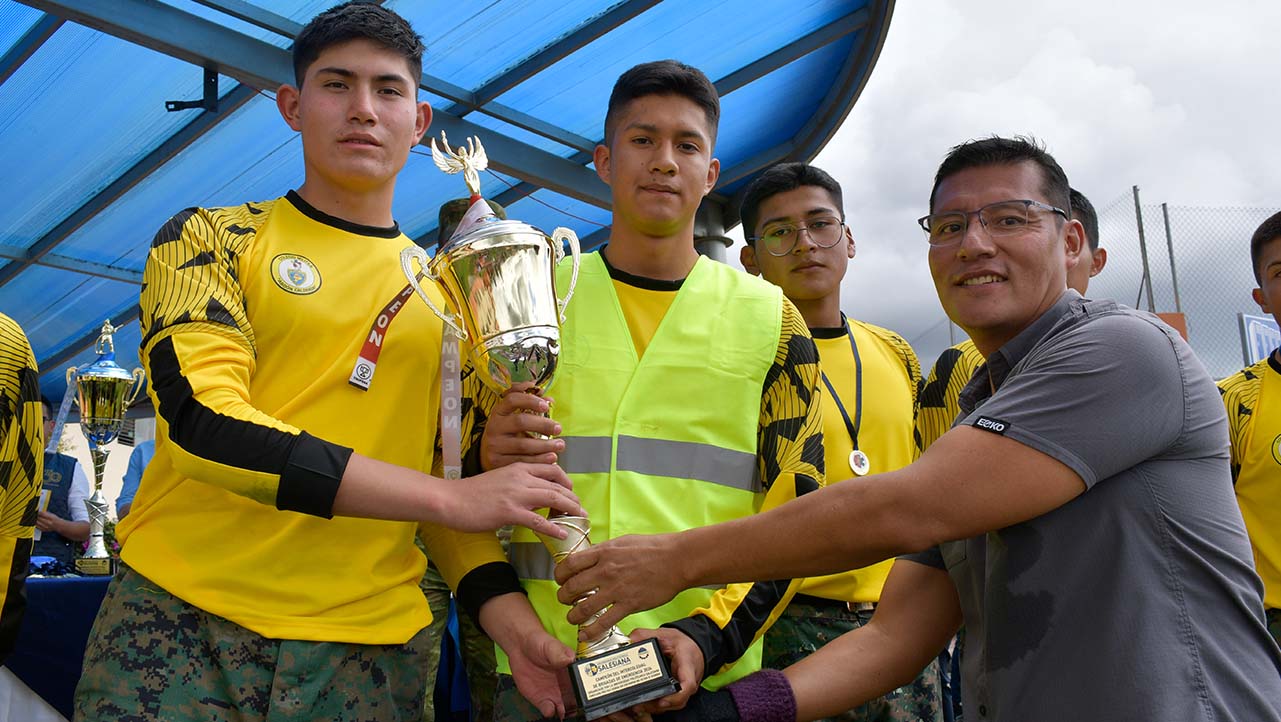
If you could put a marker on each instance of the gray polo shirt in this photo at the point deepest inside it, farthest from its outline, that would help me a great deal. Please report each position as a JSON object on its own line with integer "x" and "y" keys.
{"x": 1137, "y": 600}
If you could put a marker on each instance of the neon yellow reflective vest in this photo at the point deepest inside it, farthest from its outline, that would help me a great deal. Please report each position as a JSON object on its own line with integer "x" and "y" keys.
{"x": 664, "y": 443}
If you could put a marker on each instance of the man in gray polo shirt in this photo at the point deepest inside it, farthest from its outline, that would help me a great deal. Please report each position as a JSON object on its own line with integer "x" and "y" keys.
{"x": 1102, "y": 569}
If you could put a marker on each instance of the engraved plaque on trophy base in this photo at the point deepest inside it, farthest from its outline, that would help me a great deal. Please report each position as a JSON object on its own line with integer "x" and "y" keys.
{"x": 94, "y": 567}
{"x": 620, "y": 678}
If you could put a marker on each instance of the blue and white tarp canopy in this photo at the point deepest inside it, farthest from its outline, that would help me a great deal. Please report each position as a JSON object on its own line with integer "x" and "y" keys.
{"x": 95, "y": 163}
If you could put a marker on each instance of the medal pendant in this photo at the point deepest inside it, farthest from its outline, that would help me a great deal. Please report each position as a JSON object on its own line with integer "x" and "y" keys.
{"x": 859, "y": 463}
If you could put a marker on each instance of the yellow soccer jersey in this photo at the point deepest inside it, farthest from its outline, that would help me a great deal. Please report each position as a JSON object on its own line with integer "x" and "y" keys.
{"x": 1253, "y": 401}
{"x": 252, "y": 319}
{"x": 940, "y": 399}
{"x": 21, "y": 471}
{"x": 891, "y": 383}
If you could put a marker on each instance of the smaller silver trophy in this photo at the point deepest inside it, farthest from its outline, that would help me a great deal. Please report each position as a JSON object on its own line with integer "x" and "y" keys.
{"x": 611, "y": 673}
{"x": 102, "y": 395}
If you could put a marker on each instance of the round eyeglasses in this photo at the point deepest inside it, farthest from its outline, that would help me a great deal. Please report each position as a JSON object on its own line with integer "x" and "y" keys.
{"x": 779, "y": 239}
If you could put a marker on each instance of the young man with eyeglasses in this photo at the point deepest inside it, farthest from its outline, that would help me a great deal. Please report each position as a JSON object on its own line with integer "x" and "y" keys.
{"x": 1252, "y": 397}
{"x": 797, "y": 239}
{"x": 1079, "y": 518}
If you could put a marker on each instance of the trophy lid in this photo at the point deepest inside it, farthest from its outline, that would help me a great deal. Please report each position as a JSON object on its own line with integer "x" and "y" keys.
{"x": 105, "y": 365}
{"x": 489, "y": 229}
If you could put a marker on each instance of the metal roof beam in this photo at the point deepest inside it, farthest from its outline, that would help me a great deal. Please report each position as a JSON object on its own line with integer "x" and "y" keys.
{"x": 262, "y": 65}
{"x": 580, "y": 37}
{"x": 27, "y": 45}
{"x": 77, "y": 265}
{"x": 255, "y": 15}
{"x": 121, "y": 185}
{"x": 794, "y": 51}
{"x": 75, "y": 347}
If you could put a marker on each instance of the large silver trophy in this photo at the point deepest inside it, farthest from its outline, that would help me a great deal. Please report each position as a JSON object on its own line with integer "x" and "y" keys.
{"x": 103, "y": 394}
{"x": 499, "y": 278}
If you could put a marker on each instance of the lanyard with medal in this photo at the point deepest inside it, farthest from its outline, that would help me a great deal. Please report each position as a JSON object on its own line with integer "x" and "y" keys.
{"x": 859, "y": 463}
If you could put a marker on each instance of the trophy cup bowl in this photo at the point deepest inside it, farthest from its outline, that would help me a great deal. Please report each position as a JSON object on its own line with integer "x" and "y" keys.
{"x": 500, "y": 284}
{"x": 102, "y": 395}
{"x": 612, "y": 672}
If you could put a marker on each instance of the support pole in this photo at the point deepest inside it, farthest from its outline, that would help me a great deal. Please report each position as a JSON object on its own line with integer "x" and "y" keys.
{"x": 1169, "y": 244}
{"x": 1143, "y": 252}
{"x": 709, "y": 231}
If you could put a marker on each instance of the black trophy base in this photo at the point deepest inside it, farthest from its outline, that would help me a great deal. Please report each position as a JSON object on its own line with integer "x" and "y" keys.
{"x": 620, "y": 678}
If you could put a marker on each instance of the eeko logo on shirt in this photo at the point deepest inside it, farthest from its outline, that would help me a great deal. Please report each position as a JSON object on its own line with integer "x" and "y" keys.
{"x": 295, "y": 274}
{"x": 996, "y": 426}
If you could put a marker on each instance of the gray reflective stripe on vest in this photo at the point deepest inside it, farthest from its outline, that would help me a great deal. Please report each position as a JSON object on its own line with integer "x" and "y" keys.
{"x": 532, "y": 561}
{"x": 585, "y": 455}
{"x": 661, "y": 457}
{"x": 688, "y": 460}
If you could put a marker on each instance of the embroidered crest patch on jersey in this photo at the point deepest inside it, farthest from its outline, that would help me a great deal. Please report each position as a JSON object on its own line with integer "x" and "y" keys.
{"x": 1276, "y": 449}
{"x": 295, "y": 274}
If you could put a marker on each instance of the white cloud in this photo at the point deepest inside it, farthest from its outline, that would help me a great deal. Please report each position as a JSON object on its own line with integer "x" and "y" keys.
{"x": 1176, "y": 97}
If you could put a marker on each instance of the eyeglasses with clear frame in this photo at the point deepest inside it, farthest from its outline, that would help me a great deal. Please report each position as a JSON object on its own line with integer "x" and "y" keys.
{"x": 1000, "y": 219}
{"x": 780, "y": 238}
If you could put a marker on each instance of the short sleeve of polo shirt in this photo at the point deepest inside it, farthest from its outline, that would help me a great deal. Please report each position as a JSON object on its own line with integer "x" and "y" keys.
{"x": 1099, "y": 396}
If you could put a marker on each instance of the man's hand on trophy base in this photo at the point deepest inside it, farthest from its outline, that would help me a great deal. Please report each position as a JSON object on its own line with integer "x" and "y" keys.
{"x": 629, "y": 574}
{"x": 510, "y": 495}
{"x": 684, "y": 659}
{"x": 536, "y": 664}
{"x": 513, "y": 430}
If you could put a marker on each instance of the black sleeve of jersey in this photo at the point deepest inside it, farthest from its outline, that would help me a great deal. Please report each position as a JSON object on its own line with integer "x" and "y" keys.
{"x": 483, "y": 584}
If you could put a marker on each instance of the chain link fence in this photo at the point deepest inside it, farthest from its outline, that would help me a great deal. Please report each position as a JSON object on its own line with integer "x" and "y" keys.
{"x": 1198, "y": 262}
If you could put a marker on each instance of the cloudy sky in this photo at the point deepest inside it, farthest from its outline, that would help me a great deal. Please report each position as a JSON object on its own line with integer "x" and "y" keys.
{"x": 1177, "y": 97}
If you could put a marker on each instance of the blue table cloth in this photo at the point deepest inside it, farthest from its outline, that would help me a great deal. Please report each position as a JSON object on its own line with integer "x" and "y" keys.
{"x": 51, "y": 641}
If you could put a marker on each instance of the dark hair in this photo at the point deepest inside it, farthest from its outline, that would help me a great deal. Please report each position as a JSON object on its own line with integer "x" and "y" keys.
{"x": 1267, "y": 232}
{"x": 1006, "y": 151}
{"x": 47, "y": 404}
{"x": 1083, "y": 211}
{"x": 782, "y": 178}
{"x": 357, "y": 20}
{"x": 664, "y": 77}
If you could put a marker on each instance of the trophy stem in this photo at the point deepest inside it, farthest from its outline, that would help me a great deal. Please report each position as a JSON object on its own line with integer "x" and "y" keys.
{"x": 578, "y": 540}
{"x": 96, "y": 559}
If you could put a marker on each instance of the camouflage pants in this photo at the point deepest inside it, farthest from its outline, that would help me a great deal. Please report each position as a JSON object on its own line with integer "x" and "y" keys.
{"x": 152, "y": 656}
{"x": 510, "y": 705}
{"x": 1274, "y": 624}
{"x": 804, "y": 628}
{"x": 477, "y": 651}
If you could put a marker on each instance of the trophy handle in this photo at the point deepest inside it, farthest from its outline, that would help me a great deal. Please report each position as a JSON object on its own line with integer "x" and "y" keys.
{"x": 71, "y": 375}
{"x": 414, "y": 252}
{"x": 564, "y": 234}
{"x": 139, "y": 380}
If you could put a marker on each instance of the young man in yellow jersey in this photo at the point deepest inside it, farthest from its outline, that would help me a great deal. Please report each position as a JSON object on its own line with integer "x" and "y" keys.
{"x": 21, "y": 465}
{"x": 1043, "y": 494}
{"x": 1253, "y": 400}
{"x": 268, "y": 568}
{"x": 797, "y": 239}
{"x": 687, "y": 391}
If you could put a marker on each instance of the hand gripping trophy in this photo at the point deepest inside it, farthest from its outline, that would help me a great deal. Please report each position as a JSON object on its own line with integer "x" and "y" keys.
{"x": 500, "y": 281}
{"x": 102, "y": 395}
